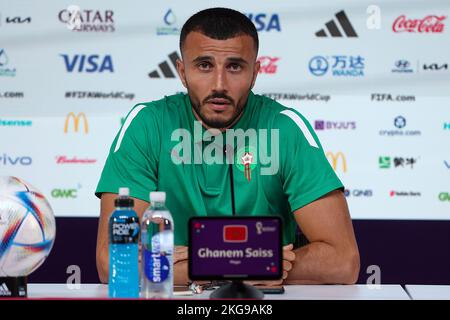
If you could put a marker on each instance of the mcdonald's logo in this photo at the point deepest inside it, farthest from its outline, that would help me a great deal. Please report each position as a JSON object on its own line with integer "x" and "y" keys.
{"x": 334, "y": 160}
{"x": 76, "y": 122}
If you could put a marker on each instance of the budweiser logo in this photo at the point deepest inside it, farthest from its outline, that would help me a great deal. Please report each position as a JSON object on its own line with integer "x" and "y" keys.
{"x": 431, "y": 23}
{"x": 74, "y": 160}
{"x": 268, "y": 64}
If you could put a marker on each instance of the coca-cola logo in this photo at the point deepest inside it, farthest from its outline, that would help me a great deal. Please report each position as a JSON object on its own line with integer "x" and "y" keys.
{"x": 268, "y": 64}
{"x": 429, "y": 24}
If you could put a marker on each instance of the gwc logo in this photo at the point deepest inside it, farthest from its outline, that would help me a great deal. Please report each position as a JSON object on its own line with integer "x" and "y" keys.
{"x": 65, "y": 193}
{"x": 444, "y": 196}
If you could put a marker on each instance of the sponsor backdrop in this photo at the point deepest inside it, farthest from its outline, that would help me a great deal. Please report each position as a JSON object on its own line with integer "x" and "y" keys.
{"x": 373, "y": 80}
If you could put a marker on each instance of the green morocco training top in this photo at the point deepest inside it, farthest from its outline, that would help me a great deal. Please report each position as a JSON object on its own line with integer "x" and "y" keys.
{"x": 277, "y": 160}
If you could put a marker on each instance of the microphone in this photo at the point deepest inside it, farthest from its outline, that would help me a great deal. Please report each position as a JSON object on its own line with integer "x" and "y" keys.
{"x": 228, "y": 152}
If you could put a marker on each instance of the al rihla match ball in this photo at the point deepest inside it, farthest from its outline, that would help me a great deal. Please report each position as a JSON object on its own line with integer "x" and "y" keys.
{"x": 27, "y": 228}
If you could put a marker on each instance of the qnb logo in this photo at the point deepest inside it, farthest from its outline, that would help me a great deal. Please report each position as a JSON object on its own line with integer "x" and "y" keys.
{"x": 235, "y": 233}
{"x": 333, "y": 29}
{"x": 335, "y": 159}
{"x": 7, "y": 160}
{"x": 444, "y": 196}
{"x": 164, "y": 67}
{"x": 88, "y": 63}
{"x": 265, "y": 22}
{"x": 76, "y": 122}
{"x": 64, "y": 193}
{"x": 358, "y": 193}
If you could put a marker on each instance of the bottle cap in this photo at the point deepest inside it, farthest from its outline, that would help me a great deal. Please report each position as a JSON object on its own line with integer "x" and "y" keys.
{"x": 158, "y": 196}
{"x": 125, "y": 192}
{"x": 124, "y": 200}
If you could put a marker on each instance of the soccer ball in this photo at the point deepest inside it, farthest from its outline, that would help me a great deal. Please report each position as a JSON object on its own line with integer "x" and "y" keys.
{"x": 27, "y": 228}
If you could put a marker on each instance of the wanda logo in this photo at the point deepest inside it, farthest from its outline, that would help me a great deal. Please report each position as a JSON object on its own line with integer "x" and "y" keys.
{"x": 268, "y": 64}
{"x": 429, "y": 24}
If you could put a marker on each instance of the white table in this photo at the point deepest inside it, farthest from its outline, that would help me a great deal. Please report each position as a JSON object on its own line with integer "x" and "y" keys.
{"x": 293, "y": 292}
{"x": 428, "y": 292}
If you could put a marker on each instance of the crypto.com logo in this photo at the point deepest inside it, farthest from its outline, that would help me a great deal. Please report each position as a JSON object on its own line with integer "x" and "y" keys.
{"x": 76, "y": 122}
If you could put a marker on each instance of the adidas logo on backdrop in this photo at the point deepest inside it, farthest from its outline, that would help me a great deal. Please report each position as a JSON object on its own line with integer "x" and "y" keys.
{"x": 333, "y": 29}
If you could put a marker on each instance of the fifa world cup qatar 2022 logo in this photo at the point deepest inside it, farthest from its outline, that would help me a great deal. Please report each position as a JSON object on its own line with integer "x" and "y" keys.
{"x": 429, "y": 24}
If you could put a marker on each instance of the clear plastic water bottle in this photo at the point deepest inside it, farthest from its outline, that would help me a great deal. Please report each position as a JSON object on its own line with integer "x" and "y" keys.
{"x": 123, "y": 248}
{"x": 157, "y": 249}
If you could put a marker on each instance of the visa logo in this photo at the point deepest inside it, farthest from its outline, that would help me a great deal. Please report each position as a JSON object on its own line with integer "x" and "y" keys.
{"x": 88, "y": 63}
{"x": 7, "y": 160}
{"x": 235, "y": 233}
{"x": 264, "y": 22}
{"x": 447, "y": 164}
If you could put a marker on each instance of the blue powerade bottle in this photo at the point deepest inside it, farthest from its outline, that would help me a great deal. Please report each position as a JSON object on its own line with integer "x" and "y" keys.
{"x": 123, "y": 248}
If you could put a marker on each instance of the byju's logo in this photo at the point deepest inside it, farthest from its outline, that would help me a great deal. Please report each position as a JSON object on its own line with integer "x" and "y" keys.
{"x": 8, "y": 160}
{"x": 170, "y": 28}
{"x": 333, "y": 29}
{"x": 402, "y": 66}
{"x": 164, "y": 67}
{"x": 339, "y": 66}
{"x": 386, "y": 162}
{"x": 5, "y": 69}
{"x": 265, "y": 22}
{"x": 268, "y": 64}
{"x": 88, "y": 63}
{"x": 334, "y": 125}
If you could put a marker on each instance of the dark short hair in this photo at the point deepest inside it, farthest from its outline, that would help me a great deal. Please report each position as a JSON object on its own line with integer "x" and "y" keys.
{"x": 219, "y": 24}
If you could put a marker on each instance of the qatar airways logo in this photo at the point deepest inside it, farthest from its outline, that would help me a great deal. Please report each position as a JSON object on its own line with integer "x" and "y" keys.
{"x": 429, "y": 24}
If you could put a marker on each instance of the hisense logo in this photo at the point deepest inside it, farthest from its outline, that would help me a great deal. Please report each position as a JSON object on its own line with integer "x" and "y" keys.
{"x": 15, "y": 123}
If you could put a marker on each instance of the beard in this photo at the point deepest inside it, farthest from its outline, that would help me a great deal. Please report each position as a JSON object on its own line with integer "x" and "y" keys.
{"x": 216, "y": 121}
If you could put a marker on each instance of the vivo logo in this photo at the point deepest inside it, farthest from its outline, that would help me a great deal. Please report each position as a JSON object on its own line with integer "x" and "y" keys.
{"x": 88, "y": 63}
{"x": 8, "y": 160}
